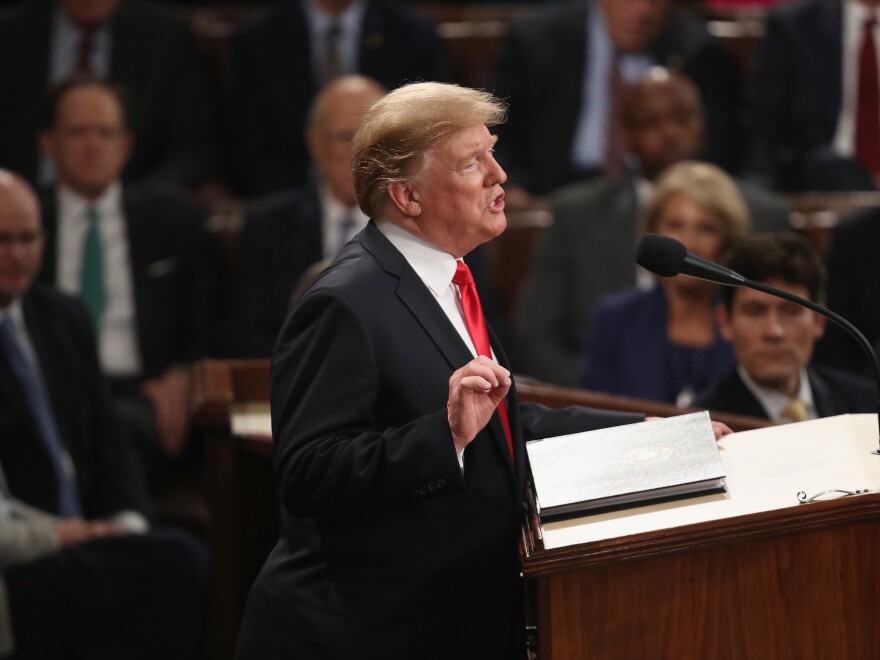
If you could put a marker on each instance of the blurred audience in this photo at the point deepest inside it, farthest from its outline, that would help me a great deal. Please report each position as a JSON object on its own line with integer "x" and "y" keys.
{"x": 138, "y": 45}
{"x": 283, "y": 57}
{"x": 82, "y": 576}
{"x": 853, "y": 292}
{"x": 662, "y": 342}
{"x": 589, "y": 249}
{"x": 139, "y": 257}
{"x": 774, "y": 338}
{"x": 563, "y": 71}
{"x": 815, "y": 99}
{"x": 288, "y": 232}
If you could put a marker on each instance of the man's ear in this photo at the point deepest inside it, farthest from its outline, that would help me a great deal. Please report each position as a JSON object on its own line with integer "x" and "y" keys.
{"x": 820, "y": 323}
{"x": 405, "y": 198}
{"x": 46, "y": 144}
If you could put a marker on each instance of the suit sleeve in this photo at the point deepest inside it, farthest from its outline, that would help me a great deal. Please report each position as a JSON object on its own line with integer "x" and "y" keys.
{"x": 330, "y": 456}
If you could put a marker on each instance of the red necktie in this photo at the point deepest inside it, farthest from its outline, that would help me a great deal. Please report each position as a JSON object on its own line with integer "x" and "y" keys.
{"x": 868, "y": 106}
{"x": 476, "y": 325}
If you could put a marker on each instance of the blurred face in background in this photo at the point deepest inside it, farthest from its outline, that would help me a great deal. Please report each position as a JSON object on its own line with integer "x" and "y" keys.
{"x": 773, "y": 338}
{"x": 336, "y": 116}
{"x": 701, "y": 233}
{"x": 89, "y": 142}
{"x": 664, "y": 121}
{"x": 21, "y": 238}
{"x": 634, "y": 25}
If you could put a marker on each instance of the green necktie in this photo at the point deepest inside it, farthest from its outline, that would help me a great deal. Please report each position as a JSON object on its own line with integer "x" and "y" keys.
{"x": 91, "y": 278}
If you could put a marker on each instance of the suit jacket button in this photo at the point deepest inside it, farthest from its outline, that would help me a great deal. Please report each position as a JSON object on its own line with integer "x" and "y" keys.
{"x": 441, "y": 483}
{"x": 422, "y": 491}
{"x": 415, "y": 492}
{"x": 432, "y": 486}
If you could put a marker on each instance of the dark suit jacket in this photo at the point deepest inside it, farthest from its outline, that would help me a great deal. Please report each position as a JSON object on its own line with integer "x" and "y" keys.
{"x": 628, "y": 352}
{"x": 540, "y": 74}
{"x": 796, "y": 99}
{"x": 273, "y": 85}
{"x": 853, "y": 292}
{"x": 386, "y": 549}
{"x": 174, "y": 273}
{"x": 834, "y": 393}
{"x": 61, "y": 333}
{"x": 154, "y": 57}
{"x": 589, "y": 250}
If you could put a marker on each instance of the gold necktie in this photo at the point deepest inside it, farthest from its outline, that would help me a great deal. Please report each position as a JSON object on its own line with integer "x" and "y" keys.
{"x": 796, "y": 411}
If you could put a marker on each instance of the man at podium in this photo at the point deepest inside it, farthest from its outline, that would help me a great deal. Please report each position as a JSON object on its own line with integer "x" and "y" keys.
{"x": 398, "y": 439}
{"x": 773, "y": 339}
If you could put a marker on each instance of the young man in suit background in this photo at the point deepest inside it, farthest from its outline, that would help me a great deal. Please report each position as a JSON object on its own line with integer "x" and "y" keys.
{"x": 774, "y": 338}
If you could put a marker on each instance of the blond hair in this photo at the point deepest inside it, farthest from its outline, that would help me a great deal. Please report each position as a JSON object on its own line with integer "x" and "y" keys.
{"x": 400, "y": 128}
{"x": 710, "y": 188}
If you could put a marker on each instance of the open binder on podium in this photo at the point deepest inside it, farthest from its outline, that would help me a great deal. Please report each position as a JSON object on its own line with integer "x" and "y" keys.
{"x": 621, "y": 465}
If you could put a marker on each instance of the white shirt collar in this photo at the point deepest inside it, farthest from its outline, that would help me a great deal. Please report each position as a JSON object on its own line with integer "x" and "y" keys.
{"x": 774, "y": 401}
{"x": 74, "y": 205}
{"x": 434, "y": 266}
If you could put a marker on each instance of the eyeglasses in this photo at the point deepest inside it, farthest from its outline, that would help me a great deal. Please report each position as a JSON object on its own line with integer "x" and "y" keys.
{"x": 26, "y": 239}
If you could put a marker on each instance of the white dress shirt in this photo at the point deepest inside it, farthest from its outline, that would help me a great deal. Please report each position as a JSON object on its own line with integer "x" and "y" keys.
{"x": 774, "y": 401}
{"x": 117, "y": 336}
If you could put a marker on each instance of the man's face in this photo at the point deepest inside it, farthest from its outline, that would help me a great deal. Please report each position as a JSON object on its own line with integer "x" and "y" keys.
{"x": 634, "y": 25}
{"x": 21, "y": 243}
{"x": 329, "y": 139}
{"x": 773, "y": 338}
{"x": 664, "y": 126}
{"x": 89, "y": 143}
{"x": 89, "y": 13}
{"x": 458, "y": 191}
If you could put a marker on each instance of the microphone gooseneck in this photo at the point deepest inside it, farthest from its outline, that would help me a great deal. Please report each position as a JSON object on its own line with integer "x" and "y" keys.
{"x": 667, "y": 257}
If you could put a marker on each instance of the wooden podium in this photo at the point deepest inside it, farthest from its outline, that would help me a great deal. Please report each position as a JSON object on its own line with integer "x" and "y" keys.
{"x": 750, "y": 573}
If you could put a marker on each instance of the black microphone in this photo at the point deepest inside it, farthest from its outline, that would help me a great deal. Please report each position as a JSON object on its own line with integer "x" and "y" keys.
{"x": 667, "y": 257}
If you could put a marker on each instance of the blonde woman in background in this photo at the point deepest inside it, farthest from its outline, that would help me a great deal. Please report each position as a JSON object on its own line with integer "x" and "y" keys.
{"x": 661, "y": 342}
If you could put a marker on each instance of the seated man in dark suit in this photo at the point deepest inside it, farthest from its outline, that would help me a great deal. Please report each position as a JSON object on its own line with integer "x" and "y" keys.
{"x": 140, "y": 258}
{"x": 563, "y": 70}
{"x": 283, "y": 57}
{"x": 588, "y": 251}
{"x": 288, "y": 232}
{"x": 142, "y": 47}
{"x": 774, "y": 338}
{"x": 84, "y": 578}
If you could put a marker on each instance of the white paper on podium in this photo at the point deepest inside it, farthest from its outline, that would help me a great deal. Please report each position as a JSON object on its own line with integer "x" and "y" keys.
{"x": 251, "y": 420}
{"x": 766, "y": 468}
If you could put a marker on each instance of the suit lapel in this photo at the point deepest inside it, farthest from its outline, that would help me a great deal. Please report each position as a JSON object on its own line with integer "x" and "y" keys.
{"x": 823, "y": 396}
{"x": 415, "y": 296}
